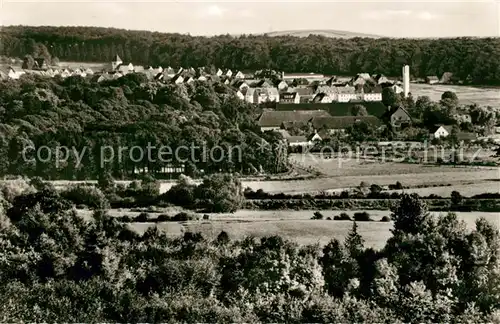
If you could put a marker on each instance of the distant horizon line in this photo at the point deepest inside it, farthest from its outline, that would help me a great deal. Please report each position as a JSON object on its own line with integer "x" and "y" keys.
{"x": 311, "y": 31}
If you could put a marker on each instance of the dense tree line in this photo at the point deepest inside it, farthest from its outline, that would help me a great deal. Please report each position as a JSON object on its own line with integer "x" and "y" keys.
{"x": 471, "y": 59}
{"x": 58, "y": 266}
{"x": 93, "y": 120}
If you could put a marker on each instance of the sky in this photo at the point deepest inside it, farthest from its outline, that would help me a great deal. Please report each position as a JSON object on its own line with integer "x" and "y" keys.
{"x": 386, "y": 18}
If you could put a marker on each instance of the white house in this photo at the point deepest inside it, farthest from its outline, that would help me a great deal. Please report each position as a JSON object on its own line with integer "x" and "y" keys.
{"x": 376, "y": 96}
{"x": 65, "y": 73}
{"x": 219, "y": 72}
{"x": 239, "y": 75}
{"x": 178, "y": 79}
{"x": 282, "y": 85}
{"x": 315, "y": 137}
{"x": 440, "y": 131}
{"x": 267, "y": 95}
{"x": 298, "y": 141}
{"x": 117, "y": 62}
{"x": 240, "y": 95}
{"x": 251, "y": 95}
{"x": 15, "y": 73}
{"x": 346, "y": 94}
{"x": 397, "y": 89}
{"x": 228, "y": 73}
{"x": 289, "y": 98}
{"x": 322, "y": 98}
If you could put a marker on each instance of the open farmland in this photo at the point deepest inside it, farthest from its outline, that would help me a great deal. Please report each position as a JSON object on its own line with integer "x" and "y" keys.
{"x": 295, "y": 225}
{"x": 340, "y": 174}
{"x": 349, "y": 174}
{"x": 467, "y": 190}
{"x": 483, "y": 96}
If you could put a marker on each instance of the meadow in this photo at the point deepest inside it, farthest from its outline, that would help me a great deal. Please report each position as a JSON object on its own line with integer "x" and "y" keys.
{"x": 483, "y": 96}
{"x": 343, "y": 174}
{"x": 293, "y": 225}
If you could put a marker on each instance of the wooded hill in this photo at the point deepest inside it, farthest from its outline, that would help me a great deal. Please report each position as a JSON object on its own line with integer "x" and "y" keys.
{"x": 472, "y": 59}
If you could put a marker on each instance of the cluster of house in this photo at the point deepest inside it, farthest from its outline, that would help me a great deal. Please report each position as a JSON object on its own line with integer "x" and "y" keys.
{"x": 41, "y": 68}
{"x": 290, "y": 89}
{"x": 117, "y": 68}
{"x": 318, "y": 122}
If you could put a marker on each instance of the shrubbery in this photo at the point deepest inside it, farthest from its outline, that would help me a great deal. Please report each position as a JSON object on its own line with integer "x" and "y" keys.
{"x": 89, "y": 196}
{"x": 56, "y": 266}
{"x": 218, "y": 193}
{"x": 362, "y": 217}
{"x": 317, "y": 215}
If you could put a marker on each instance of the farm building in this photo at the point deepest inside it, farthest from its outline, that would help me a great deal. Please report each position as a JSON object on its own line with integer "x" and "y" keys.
{"x": 398, "y": 117}
{"x": 375, "y": 108}
{"x": 273, "y": 120}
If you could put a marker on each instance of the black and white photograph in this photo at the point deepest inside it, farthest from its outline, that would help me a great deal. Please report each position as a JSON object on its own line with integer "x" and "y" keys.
{"x": 176, "y": 161}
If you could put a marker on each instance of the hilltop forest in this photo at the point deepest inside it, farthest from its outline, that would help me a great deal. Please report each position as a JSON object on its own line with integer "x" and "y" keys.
{"x": 40, "y": 116}
{"x": 471, "y": 59}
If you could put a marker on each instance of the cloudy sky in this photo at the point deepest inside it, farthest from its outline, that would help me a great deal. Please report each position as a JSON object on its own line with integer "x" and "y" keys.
{"x": 387, "y": 18}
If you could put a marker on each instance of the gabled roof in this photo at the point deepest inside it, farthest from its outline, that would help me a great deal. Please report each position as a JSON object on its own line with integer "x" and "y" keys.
{"x": 374, "y": 108}
{"x": 292, "y": 124}
{"x": 276, "y": 118}
{"x": 306, "y": 91}
{"x": 343, "y": 121}
{"x": 239, "y": 83}
{"x": 297, "y": 139}
{"x": 319, "y": 97}
{"x": 435, "y": 128}
{"x": 268, "y": 91}
{"x": 262, "y": 83}
{"x": 288, "y": 95}
{"x": 393, "y": 111}
{"x": 117, "y": 59}
{"x": 432, "y": 77}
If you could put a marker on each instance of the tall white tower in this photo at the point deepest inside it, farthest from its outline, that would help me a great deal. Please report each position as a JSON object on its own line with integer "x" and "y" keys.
{"x": 406, "y": 80}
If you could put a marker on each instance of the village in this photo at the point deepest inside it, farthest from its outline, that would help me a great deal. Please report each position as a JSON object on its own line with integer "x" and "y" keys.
{"x": 306, "y": 108}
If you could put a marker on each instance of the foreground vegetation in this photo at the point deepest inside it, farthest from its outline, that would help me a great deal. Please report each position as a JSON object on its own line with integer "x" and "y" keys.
{"x": 471, "y": 60}
{"x": 57, "y": 266}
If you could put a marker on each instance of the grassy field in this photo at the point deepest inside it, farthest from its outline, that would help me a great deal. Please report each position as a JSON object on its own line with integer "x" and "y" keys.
{"x": 294, "y": 225}
{"x": 483, "y": 96}
{"x": 467, "y": 190}
{"x": 348, "y": 174}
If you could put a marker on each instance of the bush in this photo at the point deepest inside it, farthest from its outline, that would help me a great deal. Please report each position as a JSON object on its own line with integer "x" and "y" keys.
{"x": 385, "y": 219}
{"x": 91, "y": 197}
{"x": 126, "y": 219}
{"x": 342, "y": 216}
{"x": 317, "y": 215}
{"x": 184, "y": 217}
{"x": 362, "y": 217}
{"x": 328, "y": 218}
{"x": 163, "y": 218}
{"x": 206, "y": 217}
{"x": 223, "y": 238}
{"x": 142, "y": 218}
{"x": 182, "y": 193}
{"x": 220, "y": 193}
